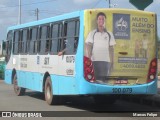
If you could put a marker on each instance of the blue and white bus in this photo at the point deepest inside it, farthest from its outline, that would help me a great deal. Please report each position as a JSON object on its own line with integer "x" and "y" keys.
{"x": 127, "y": 48}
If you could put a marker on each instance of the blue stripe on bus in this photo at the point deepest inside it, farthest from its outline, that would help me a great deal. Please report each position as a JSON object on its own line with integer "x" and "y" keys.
{"x": 63, "y": 85}
{"x": 34, "y": 81}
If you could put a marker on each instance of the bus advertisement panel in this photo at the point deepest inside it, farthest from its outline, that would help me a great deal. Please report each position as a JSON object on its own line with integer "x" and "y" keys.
{"x": 121, "y": 45}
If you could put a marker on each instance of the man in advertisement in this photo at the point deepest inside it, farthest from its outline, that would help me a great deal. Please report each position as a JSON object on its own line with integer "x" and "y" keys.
{"x": 99, "y": 48}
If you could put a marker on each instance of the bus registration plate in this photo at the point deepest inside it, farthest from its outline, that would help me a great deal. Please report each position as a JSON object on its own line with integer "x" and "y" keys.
{"x": 122, "y": 90}
{"x": 121, "y": 82}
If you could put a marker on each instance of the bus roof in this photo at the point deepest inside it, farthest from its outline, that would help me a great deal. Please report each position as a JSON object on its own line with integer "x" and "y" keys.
{"x": 47, "y": 20}
{"x": 121, "y": 9}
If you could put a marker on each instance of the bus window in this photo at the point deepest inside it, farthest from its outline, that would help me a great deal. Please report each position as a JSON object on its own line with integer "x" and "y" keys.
{"x": 56, "y": 36}
{"x": 44, "y": 39}
{"x": 76, "y": 36}
{"x": 20, "y": 42}
{"x": 15, "y": 42}
{"x": 70, "y": 38}
{"x": 48, "y": 39}
{"x": 9, "y": 45}
{"x": 24, "y": 38}
{"x": 33, "y": 40}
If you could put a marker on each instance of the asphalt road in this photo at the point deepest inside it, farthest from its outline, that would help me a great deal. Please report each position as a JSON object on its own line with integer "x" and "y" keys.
{"x": 80, "y": 106}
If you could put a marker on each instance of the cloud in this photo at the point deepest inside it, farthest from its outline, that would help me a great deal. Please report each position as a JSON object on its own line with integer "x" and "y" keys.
{"x": 8, "y": 16}
{"x": 3, "y": 2}
{"x": 84, "y": 2}
{"x": 156, "y": 1}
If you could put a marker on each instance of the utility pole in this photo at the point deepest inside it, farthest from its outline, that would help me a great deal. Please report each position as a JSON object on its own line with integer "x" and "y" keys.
{"x": 19, "y": 15}
{"x": 109, "y": 2}
{"x": 37, "y": 13}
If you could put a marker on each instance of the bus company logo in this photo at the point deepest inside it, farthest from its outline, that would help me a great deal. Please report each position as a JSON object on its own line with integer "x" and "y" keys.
{"x": 121, "y": 26}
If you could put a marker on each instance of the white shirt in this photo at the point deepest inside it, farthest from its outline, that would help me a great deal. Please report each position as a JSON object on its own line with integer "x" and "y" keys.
{"x": 101, "y": 43}
{"x": 145, "y": 44}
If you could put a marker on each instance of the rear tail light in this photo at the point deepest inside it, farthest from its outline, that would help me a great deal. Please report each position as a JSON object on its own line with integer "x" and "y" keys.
{"x": 152, "y": 70}
{"x": 88, "y": 70}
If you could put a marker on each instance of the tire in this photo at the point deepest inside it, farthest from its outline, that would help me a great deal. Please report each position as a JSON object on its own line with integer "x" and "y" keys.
{"x": 104, "y": 100}
{"x": 18, "y": 90}
{"x": 49, "y": 97}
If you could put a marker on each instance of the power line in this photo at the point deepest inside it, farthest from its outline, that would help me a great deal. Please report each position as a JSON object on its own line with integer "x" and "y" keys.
{"x": 37, "y": 12}
{"x": 29, "y": 4}
{"x": 96, "y": 4}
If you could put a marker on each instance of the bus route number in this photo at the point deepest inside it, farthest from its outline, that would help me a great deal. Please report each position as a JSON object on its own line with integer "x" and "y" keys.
{"x": 46, "y": 61}
{"x": 70, "y": 59}
{"x": 122, "y": 90}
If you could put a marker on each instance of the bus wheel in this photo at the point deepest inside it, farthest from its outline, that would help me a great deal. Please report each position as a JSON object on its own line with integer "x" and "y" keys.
{"x": 49, "y": 97}
{"x": 18, "y": 90}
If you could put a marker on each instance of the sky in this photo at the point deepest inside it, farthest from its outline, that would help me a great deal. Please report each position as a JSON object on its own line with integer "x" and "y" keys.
{"x": 9, "y": 10}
